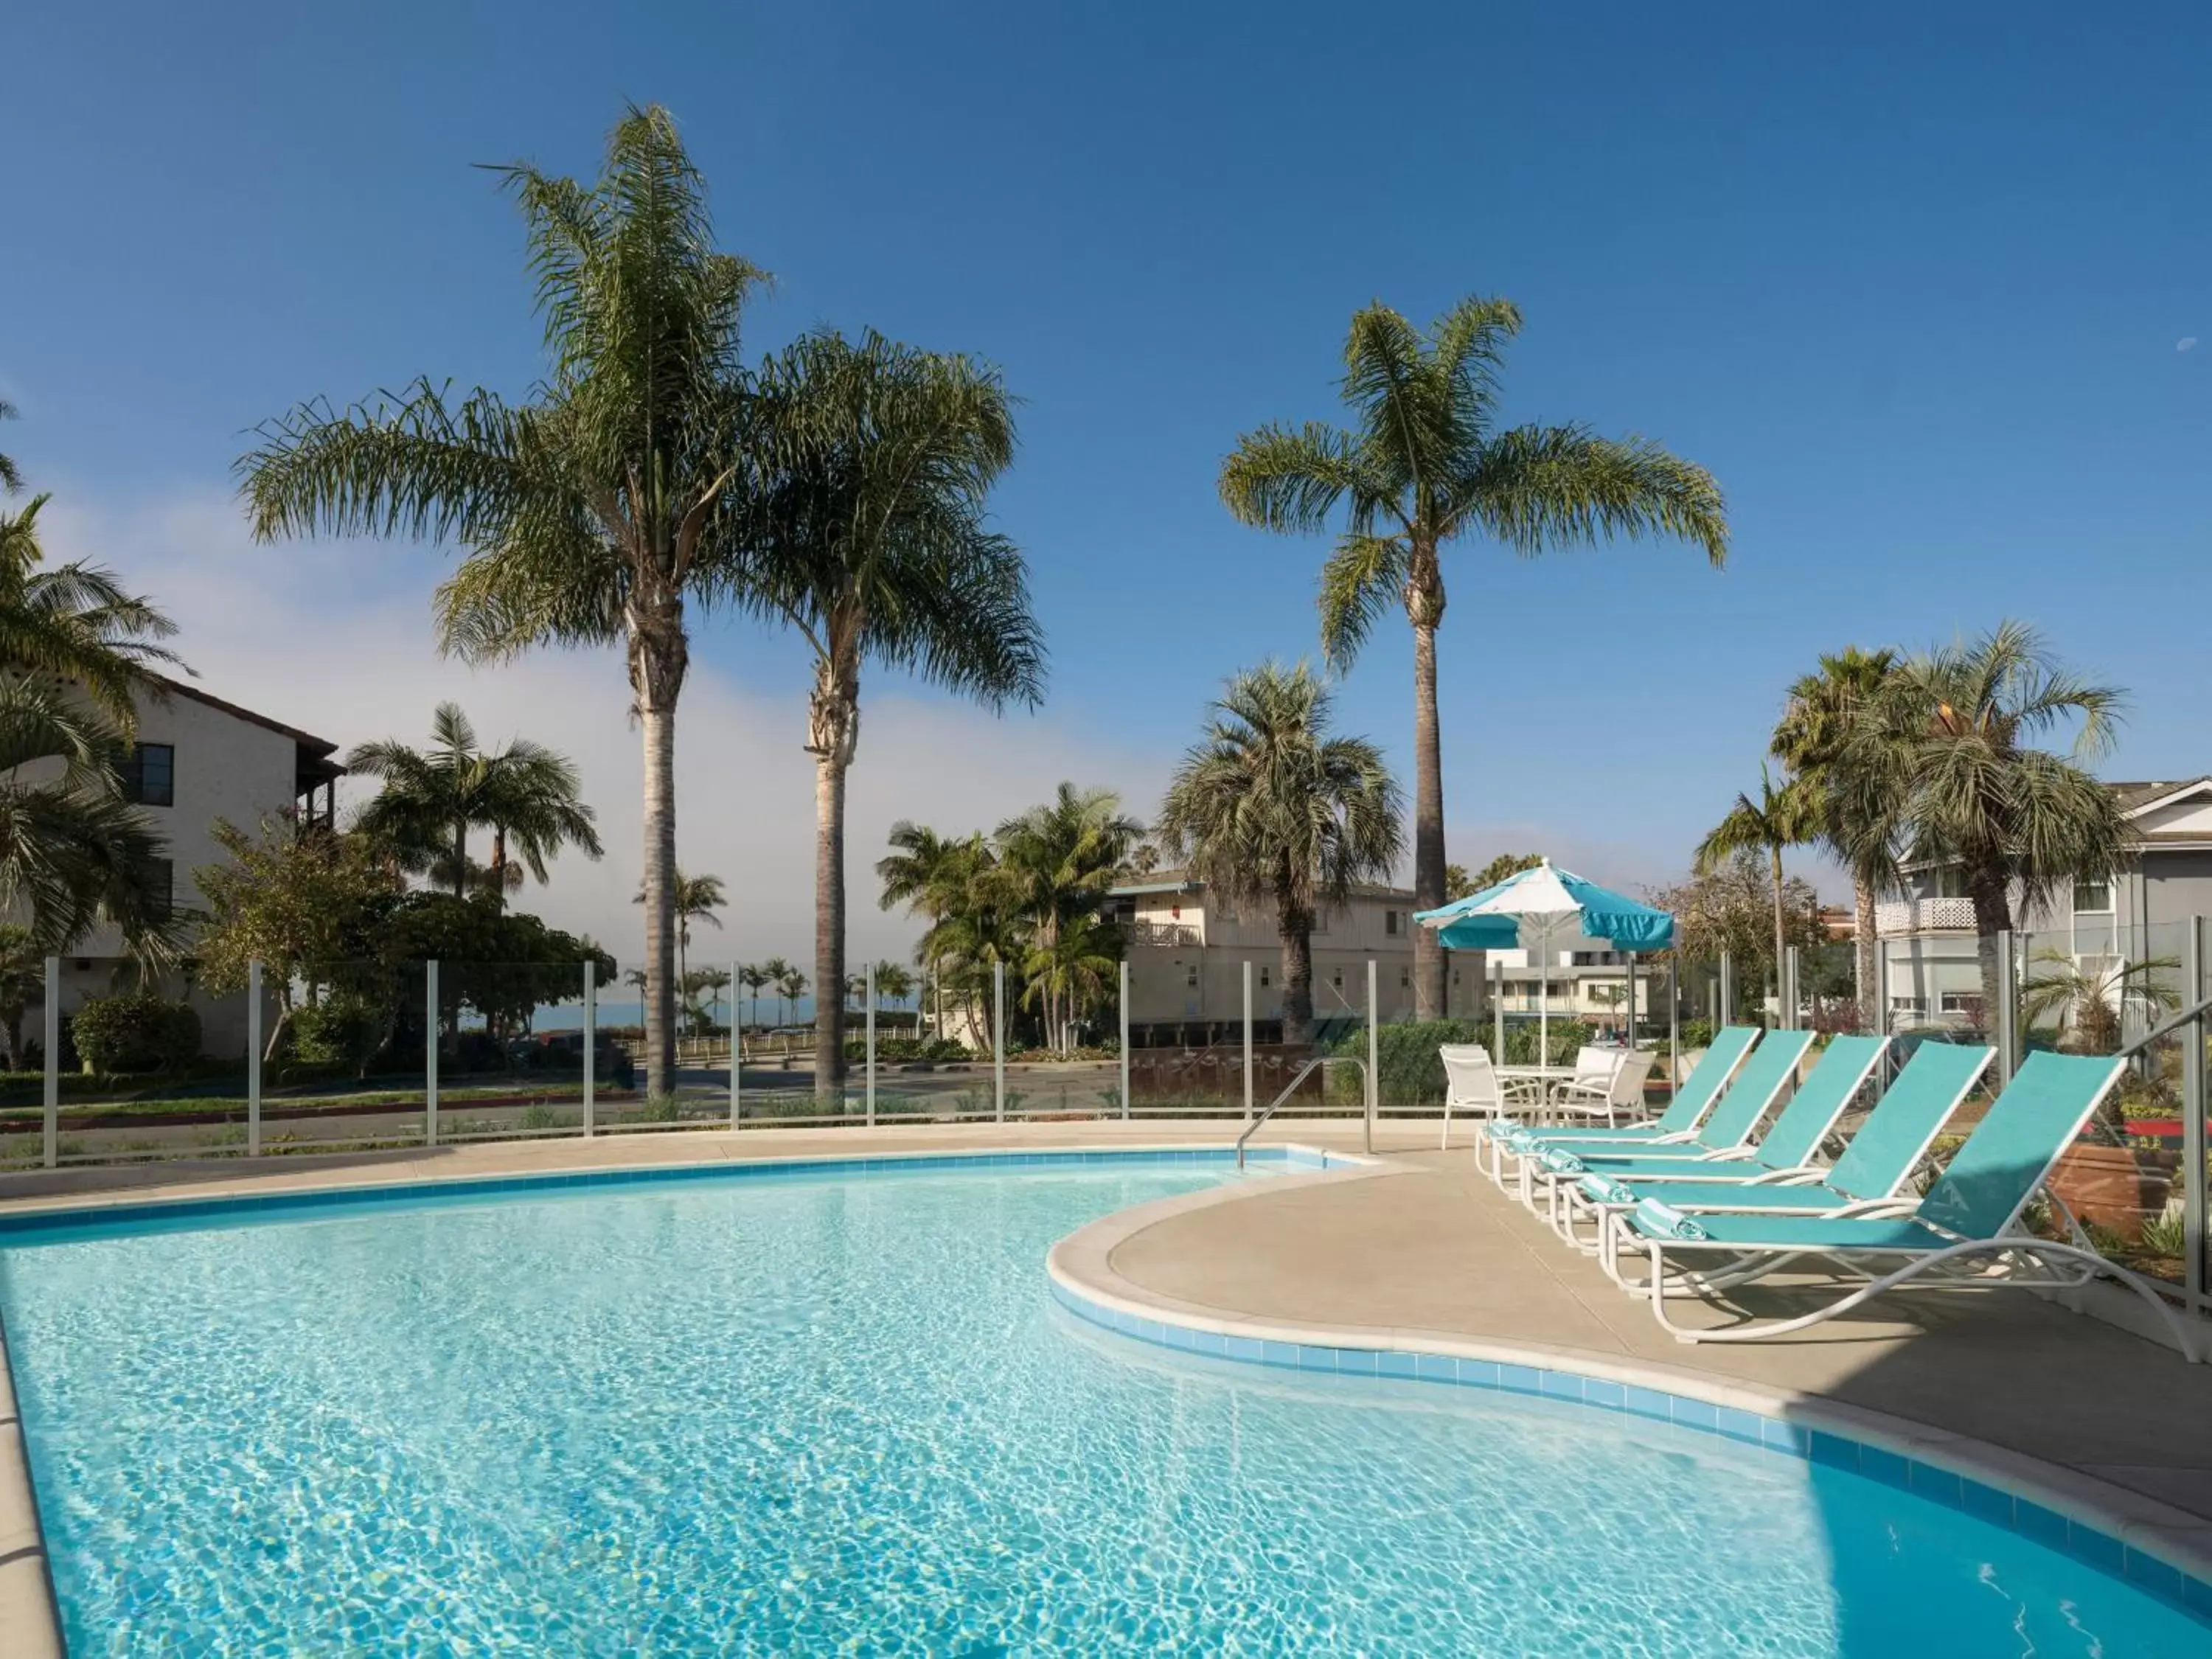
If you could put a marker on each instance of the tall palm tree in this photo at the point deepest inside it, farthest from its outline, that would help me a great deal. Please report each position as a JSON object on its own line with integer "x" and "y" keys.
{"x": 792, "y": 984}
{"x": 1424, "y": 463}
{"x": 894, "y": 984}
{"x": 753, "y": 978}
{"x": 529, "y": 797}
{"x": 1057, "y": 862}
{"x": 1858, "y": 824}
{"x": 596, "y": 512}
{"x": 1268, "y": 808}
{"x": 697, "y": 899}
{"x": 1783, "y": 816}
{"x": 872, "y": 544}
{"x": 1950, "y": 738}
{"x": 977, "y": 928}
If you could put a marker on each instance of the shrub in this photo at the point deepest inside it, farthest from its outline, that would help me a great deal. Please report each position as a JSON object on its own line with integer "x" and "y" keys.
{"x": 135, "y": 1032}
{"x": 342, "y": 1030}
{"x": 1405, "y": 1055}
{"x": 1697, "y": 1034}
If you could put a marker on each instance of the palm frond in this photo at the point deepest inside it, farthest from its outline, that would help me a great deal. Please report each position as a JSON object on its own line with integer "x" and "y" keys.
{"x": 1359, "y": 585}
{"x": 1536, "y": 487}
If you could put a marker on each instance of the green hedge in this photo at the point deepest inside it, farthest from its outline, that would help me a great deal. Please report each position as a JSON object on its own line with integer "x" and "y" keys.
{"x": 1413, "y": 1074}
{"x": 135, "y": 1032}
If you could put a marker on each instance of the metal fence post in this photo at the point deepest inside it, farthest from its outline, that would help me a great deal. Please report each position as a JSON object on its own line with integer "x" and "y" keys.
{"x": 1786, "y": 992}
{"x": 1497, "y": 1008}
{"x": 1726, "y": 1013}
{"x": 1674, "y": 1023}
{"x": 1125, "y": 1039}
{"x": 430, "y": 1053}
{"x": 254, "y": 1060}
{"x": 53, "y": 1022}
{"x": 1248, "y": 1041}
{"x": 1374, "y": 1053}
{"x": 591, "y": 1040}
{"x": 997, "y": 1042}
{"x": 871, "y": 1045}
{"x": 2006, "y": 1036}
{"x": 1881, "y": 1021}
{"x": 2195, "y": 1199}
{"x": 737, "y": 1051}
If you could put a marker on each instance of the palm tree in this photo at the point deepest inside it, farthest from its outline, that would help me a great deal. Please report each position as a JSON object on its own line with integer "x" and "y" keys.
{"x": 1858, "y": 824}
{"x": 1950, "y": 740}
{"x": 73, "y": 852}
{"x": 977, "y": 929}
{"x": 1269, "y": 808}
{"x": 1782, "y": 817}
{"x": 592, "y": 514}
{"x": 698, "y": 898}
{"x": 791, "y": 984}
{"x": 2087, "y": 1000}
{"x": 872, "y": 544}
{"x": 774, "y": 972}
{"x": 1424, "y": 463}
{"x": 755, "y": 978}
{"x": 893, "y": 983}
{"x": 76, "y": 623}
{"x": 926, "y": 873}
{"x": 1057, "y": 862}
{"x": 529, "y": 798}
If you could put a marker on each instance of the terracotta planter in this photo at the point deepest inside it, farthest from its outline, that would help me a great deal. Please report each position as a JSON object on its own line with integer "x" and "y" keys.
{"x": 2114, "y": 1187}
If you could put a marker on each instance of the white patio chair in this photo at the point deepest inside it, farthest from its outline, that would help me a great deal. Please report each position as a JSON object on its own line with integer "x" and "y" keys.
{"x": 1619, "y": 1090}
{"x": 1472, "y": 1084}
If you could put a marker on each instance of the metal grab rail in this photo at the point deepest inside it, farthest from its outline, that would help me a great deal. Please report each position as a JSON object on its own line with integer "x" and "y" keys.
{"x": 1317, "y": 1063}
{"x": 2185, "y": 1017}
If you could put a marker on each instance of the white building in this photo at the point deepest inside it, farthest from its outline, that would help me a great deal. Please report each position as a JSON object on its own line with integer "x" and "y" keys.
{"x": 198, "y": 759}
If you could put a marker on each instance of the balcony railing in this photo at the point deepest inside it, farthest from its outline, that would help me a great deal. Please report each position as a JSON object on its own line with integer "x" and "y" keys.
{"x": 1162, "y": 932}
{"x": 1899, "y": 918}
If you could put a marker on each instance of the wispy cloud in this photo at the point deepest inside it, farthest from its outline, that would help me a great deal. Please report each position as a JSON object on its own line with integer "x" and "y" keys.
{"x": 2187, "y": 343}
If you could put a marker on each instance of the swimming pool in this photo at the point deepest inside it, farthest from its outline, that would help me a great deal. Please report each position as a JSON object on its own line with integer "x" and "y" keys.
{"x": 811, "y": 1411}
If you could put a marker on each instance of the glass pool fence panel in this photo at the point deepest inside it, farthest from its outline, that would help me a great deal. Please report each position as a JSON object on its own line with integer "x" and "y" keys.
{"x": 2093, "y": 987}
{"x": 143, "y": 1069}
{"x": 511, "y": 1049}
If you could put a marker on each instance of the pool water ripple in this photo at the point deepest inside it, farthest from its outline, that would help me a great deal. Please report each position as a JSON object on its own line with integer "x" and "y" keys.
{"x": 820, "y": 1415}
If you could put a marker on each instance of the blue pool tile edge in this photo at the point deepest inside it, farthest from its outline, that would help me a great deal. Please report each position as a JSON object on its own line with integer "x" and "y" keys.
{"x": 2084, "y": 1541}
{"x": 27, "y": 1226}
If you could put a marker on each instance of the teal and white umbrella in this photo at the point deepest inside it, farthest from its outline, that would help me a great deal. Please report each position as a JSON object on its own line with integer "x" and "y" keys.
{"x": 1547, "y": 900}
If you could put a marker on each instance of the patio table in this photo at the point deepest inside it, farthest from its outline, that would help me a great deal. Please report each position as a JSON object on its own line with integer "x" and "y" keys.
{"x": 1543, "y": 1075}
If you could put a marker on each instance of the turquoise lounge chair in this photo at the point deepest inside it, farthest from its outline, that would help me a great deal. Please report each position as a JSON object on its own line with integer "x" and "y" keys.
{"x": 1962, "y": 1234}
{"x": 1678, "y": 1123}
{"x": 1758, "y": 1083}
{"x": 1842, "y": 1071}
{"x": 1880, "y": 1157}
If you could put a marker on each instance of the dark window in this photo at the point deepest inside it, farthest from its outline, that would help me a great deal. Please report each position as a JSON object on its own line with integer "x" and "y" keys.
{"x": 162, "y": 885}
{"x": 149, "y": 776}
{"x": 1389, "y": 921}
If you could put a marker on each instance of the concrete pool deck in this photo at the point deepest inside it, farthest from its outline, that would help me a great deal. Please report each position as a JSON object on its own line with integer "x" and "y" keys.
{"x": 1417, "y": 1248}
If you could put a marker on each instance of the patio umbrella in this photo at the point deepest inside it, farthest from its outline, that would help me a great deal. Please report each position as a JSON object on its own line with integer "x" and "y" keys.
{"x": 1549, "y": 897}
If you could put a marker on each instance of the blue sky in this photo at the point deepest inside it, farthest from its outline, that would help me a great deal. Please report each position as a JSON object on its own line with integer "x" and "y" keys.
{"x": 1913, "y": 283}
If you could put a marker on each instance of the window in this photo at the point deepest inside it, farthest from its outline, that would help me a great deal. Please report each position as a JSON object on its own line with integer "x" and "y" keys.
{"x": 1190, "y": 975}
{"x": 162, "y": 885}
{"x": 1336, "y": 978}
{"x": 1391, "y": 920}
{"x": 1264, "y": 971}
{"x": 1958, "y": 1002}
{"x": 1405, "y": 979}
{"x": 149, "y": 776}
{"x": 1321, "y": 921}
{"x": 1908, "y": 1005}
{"x": 2092, "y": 898}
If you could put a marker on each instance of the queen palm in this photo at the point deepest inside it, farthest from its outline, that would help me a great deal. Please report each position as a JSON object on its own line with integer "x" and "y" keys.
{"x": 1781, "y": 816}
{"x": 773, "y": 973}
{"x": 598, "y": 512}
{"x": 1951, "y": 740}
{"x": 753, "y": 978}
{"x": 1424, "y": 463}
{"x": 1269, "y": 809}
{"x": 529, "y": 797}
{"x": 872, "y": 544}
{"x": 1858, "y": 824}
{"x": 919, "y": 874}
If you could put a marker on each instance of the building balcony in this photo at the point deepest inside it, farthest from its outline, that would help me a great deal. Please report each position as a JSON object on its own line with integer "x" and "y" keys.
{"x": 1163, "y": 932}
{"x": 1905, "y": 918}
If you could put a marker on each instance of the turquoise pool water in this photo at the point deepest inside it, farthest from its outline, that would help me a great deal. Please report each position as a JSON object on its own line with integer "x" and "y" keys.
{"x": 823, "y": 1413}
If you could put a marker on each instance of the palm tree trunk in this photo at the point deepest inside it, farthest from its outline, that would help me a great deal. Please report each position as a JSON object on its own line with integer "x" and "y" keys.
{"x": 1428, "y": 814}
{"x": 1295, "y": 928}
{"x": 499, "y": 864}
{"x": 829, "y": 927}
{"x": 1867, "y": 945}
{"x": 1780, "y": 949}
{"x": 460, "y": 858}
{"x": 658, "y": 726}
{"x": 1987, "y": 887}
